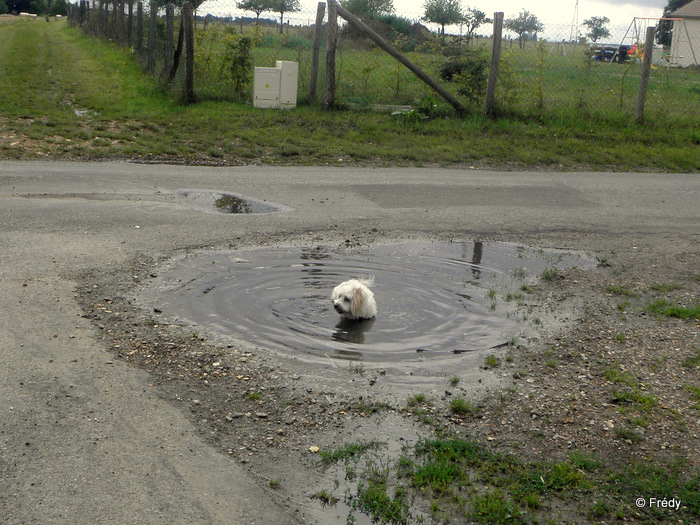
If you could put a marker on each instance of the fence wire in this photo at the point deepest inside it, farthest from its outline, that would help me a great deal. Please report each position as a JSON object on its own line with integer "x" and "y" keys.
{"x": 557, "y": 71}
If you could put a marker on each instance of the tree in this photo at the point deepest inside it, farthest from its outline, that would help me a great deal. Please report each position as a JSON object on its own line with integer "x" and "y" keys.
{"x": 525, "y": 22}
{"x": 368, "y": 8}
{"x": 596, "y": 26}
{"x": 473, "y": 18}
{"x": 3, "y": 8}
{"x": 284, "y": 6}
{"x": 256, "y": 6}
{"x": 663, "y": 33}
{"x": 443, "y": 12}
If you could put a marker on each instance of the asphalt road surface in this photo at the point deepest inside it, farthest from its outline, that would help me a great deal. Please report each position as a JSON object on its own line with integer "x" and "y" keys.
{"x": 86, "y": 439}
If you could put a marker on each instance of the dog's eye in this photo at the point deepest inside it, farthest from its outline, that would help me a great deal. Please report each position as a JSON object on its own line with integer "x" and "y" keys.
{"x": 346, "y": 299}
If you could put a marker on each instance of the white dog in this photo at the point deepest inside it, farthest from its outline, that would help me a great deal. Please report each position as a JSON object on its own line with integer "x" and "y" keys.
{"x": 354, "y": 300}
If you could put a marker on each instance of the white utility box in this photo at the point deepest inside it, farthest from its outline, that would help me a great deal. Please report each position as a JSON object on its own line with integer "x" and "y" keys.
{"x": 276, "y": 87}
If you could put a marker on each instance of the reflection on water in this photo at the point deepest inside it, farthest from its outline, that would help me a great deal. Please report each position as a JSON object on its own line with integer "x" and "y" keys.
{"x": 351, "y": 331}
{"x": 232, "y": 204}
{"x": 434, "y": 299}
{"x": 210, "y": 201}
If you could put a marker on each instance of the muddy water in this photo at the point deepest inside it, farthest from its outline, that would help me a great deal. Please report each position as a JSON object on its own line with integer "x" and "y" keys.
{"x": 436, "y": 301}
{"x": 209, "y": 201}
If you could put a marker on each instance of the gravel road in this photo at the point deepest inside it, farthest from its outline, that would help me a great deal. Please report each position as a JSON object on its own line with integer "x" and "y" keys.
{"x": 112, "y": 415}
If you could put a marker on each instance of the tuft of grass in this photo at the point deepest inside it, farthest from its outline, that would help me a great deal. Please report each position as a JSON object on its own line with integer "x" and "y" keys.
{"x": 254, "y": 396}
{"x": 603, "y": 261}
{"x": 492, "y": 361}
{"x": 634, "y": 401}
{"x": 454, "y": 381}
{"x": 326, "y": 498}
{"x": 461, "y": 406}
{"x": 616, "y": 289}
{"x": 615, "y": 374}
{"x": 695, "y": 394}
{"x": 663, "y": 308}
{"x": 628, "y": 434}
{"x": 417, "y": 399}
{"x": 373, "y": 498}
{"x": 494, "y": 508}
{"x": 665, "y": 288}
{"x": 693, "y": 361}
{"x": 368, "y": 407}
{"x": 550, "y": 274}
{"x": 356, "y": 368}
{"x": 348, "y": 450}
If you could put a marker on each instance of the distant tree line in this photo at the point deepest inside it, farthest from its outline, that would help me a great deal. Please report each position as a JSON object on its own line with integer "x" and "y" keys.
{"x": 37, "y": 7}
{"x": 281, "y": 7}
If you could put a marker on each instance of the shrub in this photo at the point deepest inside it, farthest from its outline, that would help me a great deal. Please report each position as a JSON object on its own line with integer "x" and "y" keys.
{"x": 238, "y": 62}
{"x": 470, "y": 72}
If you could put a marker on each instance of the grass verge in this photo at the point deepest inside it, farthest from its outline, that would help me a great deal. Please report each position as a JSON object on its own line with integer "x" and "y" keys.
{"x": 67, "y": 96}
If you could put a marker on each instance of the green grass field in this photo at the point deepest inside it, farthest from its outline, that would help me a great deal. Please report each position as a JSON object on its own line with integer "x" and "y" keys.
{"x": 68, "y": 96}
{"x": 542, "y": 80}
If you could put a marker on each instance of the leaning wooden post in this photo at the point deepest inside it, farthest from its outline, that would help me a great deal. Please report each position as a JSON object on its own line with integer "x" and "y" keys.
{"x": 490, "y": 104}
{"x": 359, "y": 24}
{"x": 331, "y": 41}
{"x": 320, "y": 13}
{"x": 188, "y": 22}
{"x": 646, "y": 71}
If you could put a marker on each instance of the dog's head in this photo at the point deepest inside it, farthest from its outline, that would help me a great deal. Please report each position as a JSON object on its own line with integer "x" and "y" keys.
{"x": 354, "y": 300}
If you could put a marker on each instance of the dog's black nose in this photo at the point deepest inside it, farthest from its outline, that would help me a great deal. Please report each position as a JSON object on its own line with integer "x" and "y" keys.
{"x": 338, "y": 308}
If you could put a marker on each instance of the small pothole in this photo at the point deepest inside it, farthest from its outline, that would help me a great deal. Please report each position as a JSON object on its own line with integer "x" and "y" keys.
{"x": 210, "y": 201}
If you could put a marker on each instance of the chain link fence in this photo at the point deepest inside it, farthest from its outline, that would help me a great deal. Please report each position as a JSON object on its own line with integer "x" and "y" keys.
{"x": 554, "y": 72}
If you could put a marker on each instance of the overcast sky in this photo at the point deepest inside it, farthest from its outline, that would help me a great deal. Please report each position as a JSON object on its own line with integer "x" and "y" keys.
{"x": 561, "y": 12}
{"x": 553, "y": 13}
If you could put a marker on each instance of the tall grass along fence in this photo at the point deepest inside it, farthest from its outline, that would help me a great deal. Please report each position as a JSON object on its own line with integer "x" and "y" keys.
{"x": 648, "y": 69}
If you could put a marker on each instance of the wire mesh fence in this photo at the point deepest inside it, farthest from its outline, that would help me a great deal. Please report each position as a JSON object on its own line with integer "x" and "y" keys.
{"x": 555, "y": 71}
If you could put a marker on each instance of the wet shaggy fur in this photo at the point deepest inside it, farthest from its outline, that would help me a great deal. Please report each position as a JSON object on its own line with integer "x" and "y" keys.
{"x": 354, "y": 300}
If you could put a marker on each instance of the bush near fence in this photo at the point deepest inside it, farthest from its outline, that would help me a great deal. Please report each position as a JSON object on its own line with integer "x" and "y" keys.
{"x": 550, "y": 75}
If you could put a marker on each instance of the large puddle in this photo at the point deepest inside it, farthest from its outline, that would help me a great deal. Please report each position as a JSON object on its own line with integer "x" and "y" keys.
{"x": 435, "y": 300}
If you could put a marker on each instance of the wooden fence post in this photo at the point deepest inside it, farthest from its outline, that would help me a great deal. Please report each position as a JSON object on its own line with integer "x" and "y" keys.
{"x": 130, "y": 25}
{"x": 320, "y": 13}
{"x": 152, "y": 46}
{"x": 490, "y": 103}
{"x": 139, "y": 28}
{"x": 188, "y": 23}
{"x": 357, "y": 23}
{"x": 100, "y": 18}
{"x": 114, "y": 30}
{"x": 331, "y": 42}
{"x": 646, "y": 71}
{"x": 169, "y": 34}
